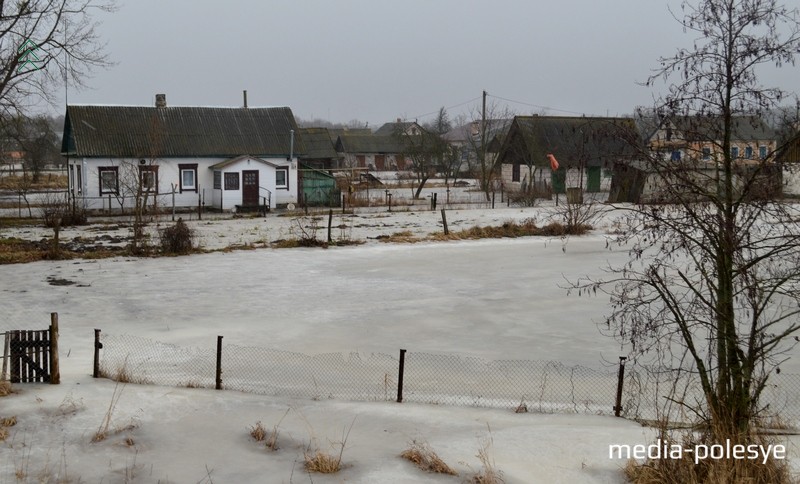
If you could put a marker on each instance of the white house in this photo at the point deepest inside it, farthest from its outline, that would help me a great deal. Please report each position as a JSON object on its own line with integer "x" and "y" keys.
{"x": 221, "y": 158}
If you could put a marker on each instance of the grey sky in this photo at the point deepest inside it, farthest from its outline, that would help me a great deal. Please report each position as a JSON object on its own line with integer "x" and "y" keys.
{"x": 377, "y": 60}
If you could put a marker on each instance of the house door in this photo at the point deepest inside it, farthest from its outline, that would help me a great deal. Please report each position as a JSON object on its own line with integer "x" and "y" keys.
{"x": 593, "y": 179}
{"x": 249, "y": 188}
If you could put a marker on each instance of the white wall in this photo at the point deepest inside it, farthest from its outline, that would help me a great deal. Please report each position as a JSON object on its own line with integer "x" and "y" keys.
{"x": 168, "y": 174}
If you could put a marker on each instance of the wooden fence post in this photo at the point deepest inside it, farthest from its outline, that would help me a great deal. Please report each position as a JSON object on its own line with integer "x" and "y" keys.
{"x": 219, "y": 363}
{"x": 55, "y": 372}
{"x": 620, "y": 381}
{"x": 444, "y": 222}
{"x": 400, "y": 376}
{"x": 97, "y": 347}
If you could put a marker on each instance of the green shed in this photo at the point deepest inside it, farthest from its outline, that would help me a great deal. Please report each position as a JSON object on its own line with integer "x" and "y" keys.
{"x": 318, "y": 188}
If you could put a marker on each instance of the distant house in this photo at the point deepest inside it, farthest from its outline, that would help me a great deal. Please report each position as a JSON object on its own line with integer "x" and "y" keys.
{"x": 699, "y": 138}
{"x": 694, "y": 143}
{"x": 320, "y": 149}
{"x": 467, "y": 139}
{"x": 788, "y": 158}
{"x": 372, "y": 151}
{"x": 409, "y": 128}
{"x": 224, "y": 158}
{"x": 583, "y": 146}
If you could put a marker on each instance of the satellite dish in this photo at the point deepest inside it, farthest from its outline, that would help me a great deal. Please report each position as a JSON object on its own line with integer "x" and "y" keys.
{"x": 290, "y": 206}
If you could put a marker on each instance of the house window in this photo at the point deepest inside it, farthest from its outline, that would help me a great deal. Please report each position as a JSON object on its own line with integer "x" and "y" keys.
{"x": 217, "y": 180}
{"x": 734, "y": 152}
{"x": 515, "y": 172}
{"x": 79, "y": 181}
{"x": 109, "y": 180}
{"x": 706, "y": 153}
{"x": 188, "y": 174}
{"x": 72, "y": 178}
{"x": 282, "y": 178}
{"x": 148, "y": 178}
{"x": 231, "y": 181}
{"x": 748, "y": 152}
{"x": 675, "y": 156}
{"x": 762, "y": 152}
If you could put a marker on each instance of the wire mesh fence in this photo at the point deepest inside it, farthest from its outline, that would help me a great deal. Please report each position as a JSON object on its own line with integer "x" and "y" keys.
{"x": 444, "y": 379}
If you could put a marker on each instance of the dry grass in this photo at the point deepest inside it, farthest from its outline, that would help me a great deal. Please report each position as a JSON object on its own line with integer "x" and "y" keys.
{"x": 489, "y": 474}
{"x": 322, "y": 462}
{"x": 404, "y": 237}
{"x": 424, "y": 457}
{"x": 5, "y": 388}
{"x": 258, "y": 432}
{"x": 46, "y": 181}
{"x": 4, "y": 424}
{"x": 102, "y": 430}
{"x": 686, "y": 471}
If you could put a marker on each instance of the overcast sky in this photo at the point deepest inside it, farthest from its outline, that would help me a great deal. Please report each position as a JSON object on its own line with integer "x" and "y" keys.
{"x": 377, "y": 60}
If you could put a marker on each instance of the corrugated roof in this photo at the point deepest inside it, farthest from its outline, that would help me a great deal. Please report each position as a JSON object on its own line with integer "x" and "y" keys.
{"x": 370, "y": 143}
{"x": 318, "y": 144}
{"x": 389, "y": 129}
{"x": 147, "y": 132}
{"x": 573, "y": 140}
{"x": 710, "y": 128}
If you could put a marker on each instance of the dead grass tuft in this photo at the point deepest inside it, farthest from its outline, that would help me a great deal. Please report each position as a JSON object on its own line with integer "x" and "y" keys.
{"x": 322, "y": 462}
{"x": 489, "y": 474}
{"x": 403, "y": 237}
{"x": 8, "y": 422}
{"x": 424, "y": 457}
{"x": 258, "y": 432}
{"x": 5, "y": 388}
{"x": 685, "y": 471}
{"x": 3, "y": 434}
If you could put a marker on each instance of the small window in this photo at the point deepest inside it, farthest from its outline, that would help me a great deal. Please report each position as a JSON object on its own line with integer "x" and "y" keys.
{"x": 281, "y": 178}
{"x": 762, "y": 152}
{"x": 706, "y": 153}
{"x": 231, "y": 181}
{"x": 217, "y": 180}
{"x": 188, "y": 175}
{"x": 734, "y": 152}
{"x": 79, "y": 181}
{"x": 748, "y": 152}
{"x": 109, "y": 180}
{"x": 675, "y": 156}
{"x": 148, "y": 178}
{"x": 515, "y": 172}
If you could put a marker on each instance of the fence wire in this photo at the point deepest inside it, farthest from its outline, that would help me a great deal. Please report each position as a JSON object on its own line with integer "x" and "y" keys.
{"x": 520, "y": 385}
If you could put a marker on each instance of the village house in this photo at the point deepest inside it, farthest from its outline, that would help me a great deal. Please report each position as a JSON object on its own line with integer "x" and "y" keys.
{"x": 221, "y": 158}
{"x": 788, "y": 158}
{"x": 585, "y": 149}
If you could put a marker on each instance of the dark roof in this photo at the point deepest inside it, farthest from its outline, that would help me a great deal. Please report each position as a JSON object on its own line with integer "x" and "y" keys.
{"x": 370, "y": 143}
{"x": 138, "y": 131}
{"x": 471, "y": 130}
{"x": 572, "y": 140}
{"x": 318, "y": 144}
{"x": 710, "y": 128}
{"x": 389, "y": 129}
{"x": 790, "y": 151}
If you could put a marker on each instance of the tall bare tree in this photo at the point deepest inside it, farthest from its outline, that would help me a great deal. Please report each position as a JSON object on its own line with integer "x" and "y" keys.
{"x": 485, "y": 125}
{"x": 713, "y": 284}
{"x": 426, "y": 149}
{"x": 42, "y": 44}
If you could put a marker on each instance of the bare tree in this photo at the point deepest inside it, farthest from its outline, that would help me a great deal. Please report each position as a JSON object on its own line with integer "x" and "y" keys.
{"x": 426, "y": 149}
{"x": 713, "y": 284}
{"x": 42, "y": 44}
{"x": 486, "y": 125}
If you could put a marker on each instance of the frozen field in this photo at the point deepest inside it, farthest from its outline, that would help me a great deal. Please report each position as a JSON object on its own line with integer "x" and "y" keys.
{"x": 494, "y": 299}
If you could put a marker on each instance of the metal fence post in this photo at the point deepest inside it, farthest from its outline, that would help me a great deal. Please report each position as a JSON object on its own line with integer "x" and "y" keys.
{"x": 620, "y": 382}
{"x": 219, "y": 363}
{"x": 97, "y": 347}
{"x": 400, "y": 376}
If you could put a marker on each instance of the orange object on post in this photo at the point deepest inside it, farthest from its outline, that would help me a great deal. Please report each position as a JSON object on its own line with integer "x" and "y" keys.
{"x": 553, "y": 162}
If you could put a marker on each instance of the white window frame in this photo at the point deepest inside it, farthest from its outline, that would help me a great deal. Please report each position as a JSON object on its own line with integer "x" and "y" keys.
{"x": 285, "y": 185}
{"x": 187, "y": 168}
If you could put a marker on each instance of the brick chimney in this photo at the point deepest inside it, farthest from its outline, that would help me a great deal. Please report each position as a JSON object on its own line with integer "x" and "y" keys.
{"x": 161, "y": 100}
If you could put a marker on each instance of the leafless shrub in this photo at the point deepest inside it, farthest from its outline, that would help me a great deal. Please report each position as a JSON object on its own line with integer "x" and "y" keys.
{"x": 178, "y": 239}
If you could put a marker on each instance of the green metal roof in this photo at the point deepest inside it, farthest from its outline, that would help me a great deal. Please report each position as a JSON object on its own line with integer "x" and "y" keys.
{"x": 318, "y": 144}
{"x": 149, "y": 132}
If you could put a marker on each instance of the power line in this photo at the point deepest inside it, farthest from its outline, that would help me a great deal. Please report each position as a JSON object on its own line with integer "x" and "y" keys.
{"x": 447, "y": 108}
{"x": 536, "y": 105}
